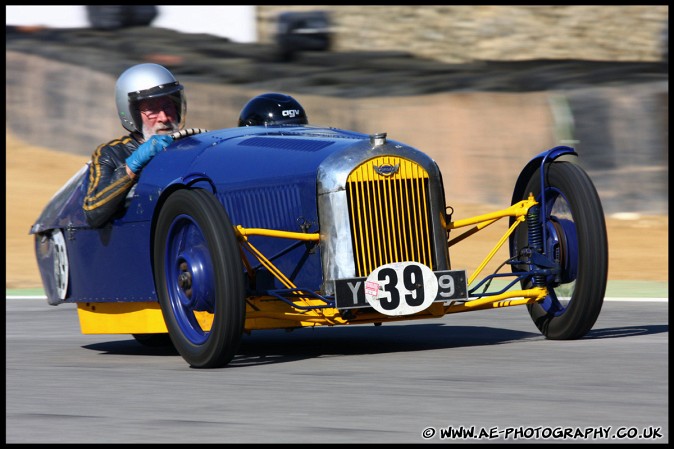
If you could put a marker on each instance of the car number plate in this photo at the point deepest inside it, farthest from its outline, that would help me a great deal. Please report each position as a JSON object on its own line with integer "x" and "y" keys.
{"x": 400, "y": 288}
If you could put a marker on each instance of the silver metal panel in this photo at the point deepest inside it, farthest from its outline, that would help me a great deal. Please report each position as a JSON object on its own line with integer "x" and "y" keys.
{"x": 333, "y": 212}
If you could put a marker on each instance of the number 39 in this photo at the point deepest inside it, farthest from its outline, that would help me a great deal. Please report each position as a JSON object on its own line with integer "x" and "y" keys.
{"x": 404, "y": 288}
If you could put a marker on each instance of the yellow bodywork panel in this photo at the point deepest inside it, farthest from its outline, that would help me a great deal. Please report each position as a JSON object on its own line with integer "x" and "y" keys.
{"x": 270, "y": 313}
{"x": 121, "y": 318}
{"x": 128, "y": 318}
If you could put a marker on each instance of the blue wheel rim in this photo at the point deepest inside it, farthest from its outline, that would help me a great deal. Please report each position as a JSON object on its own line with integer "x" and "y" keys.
{"x": 189, "y": 274}
{"x": 561, "y": 243}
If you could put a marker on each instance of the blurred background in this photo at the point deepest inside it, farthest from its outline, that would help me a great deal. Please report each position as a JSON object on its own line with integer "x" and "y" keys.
{"x": 482, "y": 89}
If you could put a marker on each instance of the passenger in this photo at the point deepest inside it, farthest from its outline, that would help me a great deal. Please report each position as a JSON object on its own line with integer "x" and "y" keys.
{"x": 151, "y": 105}
{"x": 272, "y": 109}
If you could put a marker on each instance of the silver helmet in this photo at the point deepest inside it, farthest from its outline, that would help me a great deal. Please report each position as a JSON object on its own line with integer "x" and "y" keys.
{"x": 144, "y": 81}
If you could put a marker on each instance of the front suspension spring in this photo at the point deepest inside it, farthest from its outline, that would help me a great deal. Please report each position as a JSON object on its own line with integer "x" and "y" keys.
{"x": 535, "y": 238}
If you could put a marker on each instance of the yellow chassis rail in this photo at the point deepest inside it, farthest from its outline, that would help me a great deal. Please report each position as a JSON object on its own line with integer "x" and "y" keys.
{"x": 269, "y": 312}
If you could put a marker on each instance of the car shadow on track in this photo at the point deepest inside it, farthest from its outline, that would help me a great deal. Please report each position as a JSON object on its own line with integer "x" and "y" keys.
{"x": 131, "y": 347}
{"x": 626, "y": 331}
{"x": 280, "y": 346}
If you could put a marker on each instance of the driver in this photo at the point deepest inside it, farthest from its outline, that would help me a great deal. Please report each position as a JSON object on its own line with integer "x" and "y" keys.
{"x": 151, "y": 105}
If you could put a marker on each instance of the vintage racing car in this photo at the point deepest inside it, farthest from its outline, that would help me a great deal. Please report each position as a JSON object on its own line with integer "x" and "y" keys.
{"x": 326, "y": 227}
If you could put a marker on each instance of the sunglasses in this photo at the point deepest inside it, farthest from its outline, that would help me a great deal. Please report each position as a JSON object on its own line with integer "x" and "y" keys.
{"x": 152, "y": 110}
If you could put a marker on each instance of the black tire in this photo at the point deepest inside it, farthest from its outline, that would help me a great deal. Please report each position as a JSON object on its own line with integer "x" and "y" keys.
{"x": 153, "y": 340}
{"x": 576, "y": 235}
{"x": 197, "y": 268}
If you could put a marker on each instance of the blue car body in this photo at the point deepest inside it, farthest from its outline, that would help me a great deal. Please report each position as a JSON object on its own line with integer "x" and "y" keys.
{"x": 255, "y": 228}
{"x": 264, "y": 177}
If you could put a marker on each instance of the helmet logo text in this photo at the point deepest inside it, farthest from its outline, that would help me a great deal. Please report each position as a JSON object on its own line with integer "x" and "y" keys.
{"x": 290, "y": 112}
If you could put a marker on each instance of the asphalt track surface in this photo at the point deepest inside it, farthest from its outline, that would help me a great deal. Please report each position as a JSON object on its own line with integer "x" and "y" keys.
{"x": 487, "y": 370}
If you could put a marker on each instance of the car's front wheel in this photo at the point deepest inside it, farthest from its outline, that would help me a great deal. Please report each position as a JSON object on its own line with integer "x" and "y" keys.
{"x": 575, "y": 238}
{"x": 198, "y": 275}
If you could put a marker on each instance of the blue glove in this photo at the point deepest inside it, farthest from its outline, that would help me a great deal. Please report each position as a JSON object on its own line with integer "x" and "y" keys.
{"x": 147, "y": 151}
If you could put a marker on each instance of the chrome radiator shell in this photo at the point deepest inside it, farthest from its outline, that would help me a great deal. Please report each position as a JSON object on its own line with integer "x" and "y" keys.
{"x": 338, "y": 208}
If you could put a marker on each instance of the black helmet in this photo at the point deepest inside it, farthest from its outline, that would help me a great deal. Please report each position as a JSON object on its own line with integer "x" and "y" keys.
{"x": 272, "y": 109}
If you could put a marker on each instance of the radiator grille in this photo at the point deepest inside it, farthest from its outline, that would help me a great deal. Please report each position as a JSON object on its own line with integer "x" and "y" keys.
{"x": 389, "y": 213}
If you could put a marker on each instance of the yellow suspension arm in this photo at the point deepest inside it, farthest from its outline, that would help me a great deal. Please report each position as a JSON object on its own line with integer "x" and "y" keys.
{"x": 518, "y": 210}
